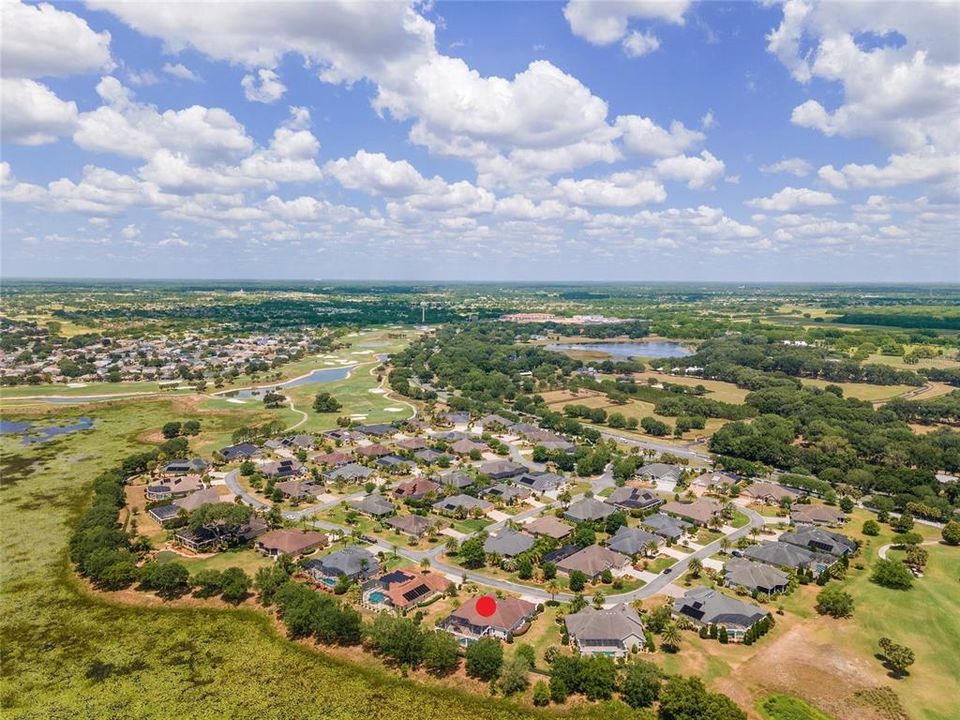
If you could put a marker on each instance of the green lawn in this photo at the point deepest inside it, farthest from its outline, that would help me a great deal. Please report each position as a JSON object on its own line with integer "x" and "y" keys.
{"x": 739, "y": 519}
{"x": 470, "y": 525}
{"x": 248, "y": 560}
{"x": 661, "y": 564}
{"x": 787, "y": 707}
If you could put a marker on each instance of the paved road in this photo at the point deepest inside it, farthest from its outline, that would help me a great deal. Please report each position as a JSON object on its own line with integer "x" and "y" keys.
{"x": 234, "y": 484}
{"x": 688, "y": 451}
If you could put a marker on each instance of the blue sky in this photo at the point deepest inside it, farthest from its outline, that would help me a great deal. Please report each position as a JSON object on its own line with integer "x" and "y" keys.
{"x": 629, "y": 141}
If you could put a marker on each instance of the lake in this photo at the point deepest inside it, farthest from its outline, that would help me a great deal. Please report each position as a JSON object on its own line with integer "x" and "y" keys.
{"x": 34, "y": 434}
{"x": 651, "y": 349}
{"x": 324, "y": 375}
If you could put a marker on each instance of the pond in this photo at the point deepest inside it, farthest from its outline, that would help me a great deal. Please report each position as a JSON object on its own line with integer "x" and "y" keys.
{"x": 32, "y": 433}
{"x": 317, "y": 376}
{"x": 651, "y": 349}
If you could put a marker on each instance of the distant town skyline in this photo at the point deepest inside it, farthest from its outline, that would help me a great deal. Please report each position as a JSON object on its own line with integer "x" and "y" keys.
{"x": 629, "y": 142}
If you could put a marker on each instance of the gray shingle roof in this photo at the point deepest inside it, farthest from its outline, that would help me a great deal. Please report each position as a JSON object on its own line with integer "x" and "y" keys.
{"x": 508, "y": 543}
{"x": 615, "y": 624}
{"x": 740, "y": 572}
{"x": 350, "y": 561}
{"x": 631, "y": 541}
{"x": 589, "y": 509}
{"x": 711, "y": 607}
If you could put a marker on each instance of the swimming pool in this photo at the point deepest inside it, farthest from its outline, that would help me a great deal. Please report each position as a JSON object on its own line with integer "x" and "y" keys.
{"x": 329, "y": 582}
{"x": 377, "y": 597}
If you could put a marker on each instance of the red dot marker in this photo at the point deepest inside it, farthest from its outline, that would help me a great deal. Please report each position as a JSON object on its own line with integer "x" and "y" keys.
{"x": 486, "y": 605}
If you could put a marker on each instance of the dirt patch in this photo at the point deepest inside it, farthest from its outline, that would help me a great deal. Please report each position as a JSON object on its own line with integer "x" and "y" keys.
{"x": 810, "y": 661}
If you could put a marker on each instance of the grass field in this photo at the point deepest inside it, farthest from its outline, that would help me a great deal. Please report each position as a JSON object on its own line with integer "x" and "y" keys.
{"x": 558, "y": 399}
{"x": 863, "y": 391}
{"x": 786, "y": 707}
{"x": 69, "y": 654}
{"x": 718, "y": 390}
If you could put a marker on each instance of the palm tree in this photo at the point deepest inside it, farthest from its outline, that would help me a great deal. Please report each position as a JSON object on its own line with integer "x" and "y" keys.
{"x": 598, "y": 599}
{"x": 651, "y": 547}
{"x": 695, "y": 566}
{"x": 725, "y": 544}
{"x": 672, "y": 637}
{"x": 553, "y": 588}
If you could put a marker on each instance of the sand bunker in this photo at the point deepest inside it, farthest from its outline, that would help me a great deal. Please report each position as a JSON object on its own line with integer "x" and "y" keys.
{"x": 376, "y": 391}
{"x": 393, "y": 409}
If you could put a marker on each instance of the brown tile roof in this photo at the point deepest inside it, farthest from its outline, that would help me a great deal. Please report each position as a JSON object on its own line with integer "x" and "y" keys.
{"x": 506, "y": 617}
{"x": 549, "y": 526}
{"x": 417, "y": 488}
{"x": 593, "y": 560}
{"x": 417, "y": 589}
{"x": 373, "y": 451}
{"x": 334, "y": 459}
{"x": 412, "y": 443}
{"x": 816, "y": 514}
{"x": 700, "y": 511}
{"x": 291, "y": 542}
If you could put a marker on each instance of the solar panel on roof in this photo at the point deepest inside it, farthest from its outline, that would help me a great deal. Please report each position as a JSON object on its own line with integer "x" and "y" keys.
{"x": 418, "y": 592}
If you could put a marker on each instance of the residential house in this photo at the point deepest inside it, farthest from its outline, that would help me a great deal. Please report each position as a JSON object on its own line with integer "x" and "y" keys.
{"x": 754, "y": 576}
{"x": 285, "y": 468}
{"x": 209, "y": 496}
{"x": 465, "y": 447}
{"x": 700, "y": 512}
{"x": 502, "y": 469}
{"x": 667, "y": 527}
{"x": 589, "y": 509}
{"x": 350, "y": 473}
{"x": 791, "y": 557}
{"x": 769, "y": 493}
{"x": 507, "y": 493}
{"x": 428, "y": 456}
{"x": 352, "y": 562}
{"x": 241, "y": 451}
{"x": 378, "y": 430}
{"x": 613, "y": 632}
{"x": 539, "y": 481}
{"x": 468, "y": 625}
{"x": 289, "y": 542}
{"x": 548, "y": 526}
{"x": 297, "y": 489}
{"x": 714, "y": 482}
{"x": 456, "y": 479}
{"x": 493, "y": 422}
{"x": 185, "y": 467}
{"x": 415, "y": 526}
{"x": 704, "y": 606}
{"x": 334, "y": 459}
{"x": 660, "y": 472}
{"x": 164, "y": 513}
{"x": 175, "y": 487}
{"x": 561, "y": 553}
{"x": 415, "y": 589}
{"x": 416, "y": 489}
{"x": 450, "y": 505}
{"x": 374, "y": 505}
{"x": 817, "y": 515}
{"x": 508, "y": 543}
{"x": 593, "y": 560}
{"x": 393, "y": 464}
{"x": 819, "y": 540}
{"x": 414, "y": 443}
{"x": 372, "y": 451}
{"x": 634, "y": 498}
{"x": 634, "y": 541}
